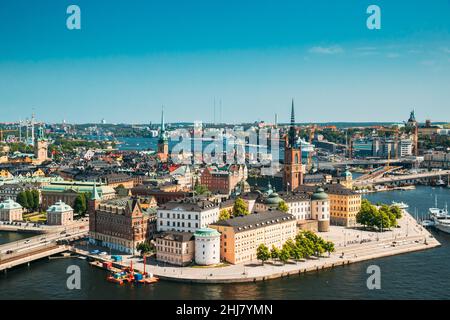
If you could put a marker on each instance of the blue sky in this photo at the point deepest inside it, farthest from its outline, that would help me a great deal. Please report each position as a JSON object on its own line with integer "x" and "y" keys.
{"x": 131, "y": 57}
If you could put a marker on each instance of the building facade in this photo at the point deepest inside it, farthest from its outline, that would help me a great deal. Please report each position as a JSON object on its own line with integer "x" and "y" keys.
{"x": 175, "y": 248}
{"x": 59, "y": 214}
{"x": 241, "y": 236}
{"x": 119, "y": 224}
{"x": 10, "y": 211}
{"x": 207, "y": 246}
{"x": 187, "y": 215}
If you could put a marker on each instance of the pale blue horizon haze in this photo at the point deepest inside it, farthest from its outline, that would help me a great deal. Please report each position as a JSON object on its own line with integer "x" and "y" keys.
{"x": 131, "y": 57}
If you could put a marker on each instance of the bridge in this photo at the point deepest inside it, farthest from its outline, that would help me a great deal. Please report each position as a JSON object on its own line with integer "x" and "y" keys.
{"x": 369, "y": 162}
{"x": 40, "y": 246}
{"x": 407, "y": 178}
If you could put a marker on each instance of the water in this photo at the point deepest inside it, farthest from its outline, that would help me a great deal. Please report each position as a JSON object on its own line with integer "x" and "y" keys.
{"x": 6, "y": 237}
{"x": 419, "y": 275}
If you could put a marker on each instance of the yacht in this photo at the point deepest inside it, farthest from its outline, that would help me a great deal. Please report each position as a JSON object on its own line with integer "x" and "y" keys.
{"x": 440, "y": 218}
{"x": 401, "y": 205}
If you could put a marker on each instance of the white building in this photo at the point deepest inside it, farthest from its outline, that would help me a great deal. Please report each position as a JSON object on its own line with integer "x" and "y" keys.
{"x": 207, "y": 246}
{"x": 10, "y": 211}
{"x": 59, "y": 214}
{"x": 186, "y": 215}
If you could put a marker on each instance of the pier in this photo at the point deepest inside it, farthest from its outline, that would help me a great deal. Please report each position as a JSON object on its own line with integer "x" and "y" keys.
{"x": 407, "y": 178}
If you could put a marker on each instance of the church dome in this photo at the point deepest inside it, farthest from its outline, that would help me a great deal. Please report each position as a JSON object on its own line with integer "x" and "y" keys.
{"x": 319, "y": 194}
{"x": 273, "y": 199}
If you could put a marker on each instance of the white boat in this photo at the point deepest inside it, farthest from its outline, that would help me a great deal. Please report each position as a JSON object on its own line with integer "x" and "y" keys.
{"x": 440, "y": 218}
{"x": 401, "y": 205}
{"x": 427, "y": 223}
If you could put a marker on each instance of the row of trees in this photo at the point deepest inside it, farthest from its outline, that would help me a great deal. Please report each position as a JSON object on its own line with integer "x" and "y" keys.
{"x": 305, "y": 245}
{"x": 29, "y": 199}
{"x": 382, "y": 217}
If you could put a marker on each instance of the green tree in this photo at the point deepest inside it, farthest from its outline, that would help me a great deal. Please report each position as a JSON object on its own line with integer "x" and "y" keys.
{"x": 30, "y": 200}
{"x": 274, "y": 253}
{"x": 240, "y": 208}
{"x": 263, "y": 253}
{"x": 284, "y": 255}
{"x": 36, "y": 199}
{"x": 22, "y": 199}
{"x": 201, "y": 189}
{"x": 282, "y": 206}
{"x": 80, "y": 204}
{"x": 329, "y": 247}
{"x": 145, "y": 248}
{"x": 224, "y": 215}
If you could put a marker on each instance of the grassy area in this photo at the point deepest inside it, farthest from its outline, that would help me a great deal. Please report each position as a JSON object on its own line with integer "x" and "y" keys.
{"x": 35, "y": 217}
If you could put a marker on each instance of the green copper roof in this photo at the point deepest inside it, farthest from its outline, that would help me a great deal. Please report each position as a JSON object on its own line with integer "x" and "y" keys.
{"x": 319, "y": 194}
{"x": 206, "y": 232}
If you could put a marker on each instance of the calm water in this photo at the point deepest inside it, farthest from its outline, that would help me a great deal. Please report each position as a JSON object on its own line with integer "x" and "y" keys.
{"x": 421, "y": 275}
{"x": 6, "y": 237}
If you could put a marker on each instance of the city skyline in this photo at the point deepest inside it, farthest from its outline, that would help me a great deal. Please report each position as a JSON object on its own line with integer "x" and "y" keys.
{"x": 253, "y": 58}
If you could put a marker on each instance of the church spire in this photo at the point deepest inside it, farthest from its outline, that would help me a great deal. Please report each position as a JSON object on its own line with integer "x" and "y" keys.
{"x": 292, "y": 114}
{"x": 163, "y": 127}
{"x": 292, "y": 133}
{"x": 95, "y": 195}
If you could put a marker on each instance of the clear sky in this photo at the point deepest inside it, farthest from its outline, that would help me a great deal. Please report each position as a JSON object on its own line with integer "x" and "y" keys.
{"x": 133, "y": 56}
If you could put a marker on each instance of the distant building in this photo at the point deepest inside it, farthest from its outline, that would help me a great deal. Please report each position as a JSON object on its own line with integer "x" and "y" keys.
{"x": 163, "y": 142}
{"x": 241, "y": 236}
{"x": 68, "y": 191}
{"x": 187, "y": 215}
{"x": 10, "y": 211}
{"x": 119, "y": 224}
{"x": 176, "y": 248}
{"x": 40, "y": 148}
{"x": 294, "y": 170}
{"x": 437, "y": 160}
{"x": 207, "y": 246}
{"x": 225, "y": 179}
{"x": 59, "y": 214}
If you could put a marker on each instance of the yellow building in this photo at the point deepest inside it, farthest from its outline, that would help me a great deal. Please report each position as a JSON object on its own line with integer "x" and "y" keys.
{"x": 5, "y": 174}
{"x": 241, "y": 236}
{"x": 344, "y": 203}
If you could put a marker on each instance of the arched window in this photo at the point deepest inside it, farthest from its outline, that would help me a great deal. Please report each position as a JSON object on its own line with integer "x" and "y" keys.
{"x": 296, "y": 158}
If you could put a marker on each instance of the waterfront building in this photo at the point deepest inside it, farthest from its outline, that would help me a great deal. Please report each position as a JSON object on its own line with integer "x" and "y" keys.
{"x": 241, "y": 236}
{"x": 293, "y": 167}
{"x": 224, "y": 179}
{"x": 344, "y": 203}
{"x": 207, "y": 246}
{"x": 59, "y": 214}
{"x": 119, "y": 224}
{"x": 10, "y": 211}
{"x": 437, "y": 160}
{"x": 68, "y": 191}
{"x": 187, "y": 215}
{"x": 310, "y": 209}
{"x": 175, "y": 248}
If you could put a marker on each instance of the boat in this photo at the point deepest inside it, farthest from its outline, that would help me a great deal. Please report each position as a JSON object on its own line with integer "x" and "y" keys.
{"x": 401, "y": 205}
{"x": 427, "y": 223}
{"x": 440, "y": 218}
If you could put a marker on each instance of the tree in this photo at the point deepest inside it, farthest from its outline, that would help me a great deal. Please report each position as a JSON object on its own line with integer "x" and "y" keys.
{"x": 284, "y": 255}
{"x": 329, "y": 247}
{"x": 274, "y": 253}
{"x": 145, "y": 248}
{"x": 30, "y": 200}
{"x": 80, "y": 204}
{"x": 22, "y": 199}
{"x": 240, "y": 208}
{"x": 282, "y": 206}
{"x": 263, "y": 253}
{"x": 36, "y": 199}
{"x": 224, "y": 215}
{"x": 201, "y": 189}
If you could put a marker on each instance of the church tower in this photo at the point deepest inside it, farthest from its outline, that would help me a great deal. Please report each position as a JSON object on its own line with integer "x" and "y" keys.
{"x": 293, "y": 167}
{"x": 40, "y": 147}
{"x": 163, "y": 144}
